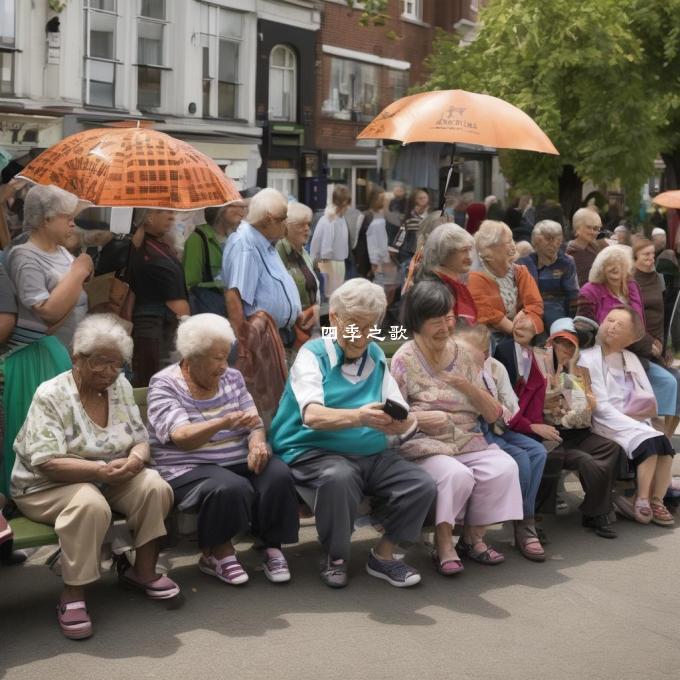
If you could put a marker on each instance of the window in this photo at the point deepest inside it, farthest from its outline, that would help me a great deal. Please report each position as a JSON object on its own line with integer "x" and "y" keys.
{"x": 282, "y": 84}
{"x": 100, "y": 52}
{"x": 221, "y": 35}
{"x": 353, "y": 91}
{"x": 7, "y": 46}
{"x": 474, "y": 5}
{"x": 150, "y": 53}
{"x": 285, "y": 181}
{"x": 412, "y": 9}
{"x": 398, "y": 83}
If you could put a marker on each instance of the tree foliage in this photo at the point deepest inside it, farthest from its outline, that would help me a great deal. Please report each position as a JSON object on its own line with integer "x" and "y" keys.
{"x": 599, "y": 76}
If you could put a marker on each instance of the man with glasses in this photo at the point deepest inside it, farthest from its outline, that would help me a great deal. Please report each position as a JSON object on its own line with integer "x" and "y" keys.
{"x": 553, "y": 271}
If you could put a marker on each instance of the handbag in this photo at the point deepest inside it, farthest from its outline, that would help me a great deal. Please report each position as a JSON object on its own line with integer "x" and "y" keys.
{"x": 202, "y": 299}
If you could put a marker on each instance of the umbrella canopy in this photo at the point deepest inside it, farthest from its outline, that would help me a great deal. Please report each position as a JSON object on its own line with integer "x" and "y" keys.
{"x": 457, "y": 116}
{"x": 668, "y": 199}
{"x": 132, "y": 167}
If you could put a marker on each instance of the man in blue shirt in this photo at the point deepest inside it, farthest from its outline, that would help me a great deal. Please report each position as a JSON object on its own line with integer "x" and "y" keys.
{"x": 553, "y": 270}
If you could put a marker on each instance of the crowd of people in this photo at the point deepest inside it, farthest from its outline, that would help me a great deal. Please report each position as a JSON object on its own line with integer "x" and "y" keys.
{"x": 266, "y": 379}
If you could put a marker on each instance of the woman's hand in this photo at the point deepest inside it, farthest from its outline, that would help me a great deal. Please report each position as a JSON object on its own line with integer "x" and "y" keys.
{"x": 116, "y": 472}
{"x": 258, "y": 457}
{"x": 240, "y": 420}
{"x": 657, "y": 349}
{"x": 83, "y": 267}
{"x": 433, "y": 422}
{"x": 547, "y": 432}
{"x": 458, "y": 382}
{"x": 372, "y": 415}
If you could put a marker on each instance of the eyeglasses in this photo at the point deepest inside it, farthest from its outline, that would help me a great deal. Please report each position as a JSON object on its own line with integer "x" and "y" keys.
{"x": 280, "y": 219}
{"x": 100, "y": 365}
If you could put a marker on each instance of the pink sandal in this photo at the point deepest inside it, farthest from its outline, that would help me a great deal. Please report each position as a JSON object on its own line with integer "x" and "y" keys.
{"x": 449, "y": 567}
{"x": 228, "y": 569}
{"x": 660, "y": 513}
{"x": 74, "y": 621}
{"x": 159, "y": 588}
{"x": 642, "y": 511}
{"x": 528, "y": 543}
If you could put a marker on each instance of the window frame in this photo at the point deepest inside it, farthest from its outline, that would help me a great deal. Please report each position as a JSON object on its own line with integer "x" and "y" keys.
{"x": 88, "y": 58}
{"x": 159, "y": 69}
{"x": 351, "y": 112}
{"x": 414, "y": 14}
{"x": 291, "y": 117}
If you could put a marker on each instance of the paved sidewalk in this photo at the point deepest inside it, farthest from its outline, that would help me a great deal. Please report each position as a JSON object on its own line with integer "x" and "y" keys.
{"x": 596, "y": 609}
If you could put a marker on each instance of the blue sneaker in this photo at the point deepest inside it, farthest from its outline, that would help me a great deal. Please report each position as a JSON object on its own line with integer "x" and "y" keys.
{"x": 395, "y": 572}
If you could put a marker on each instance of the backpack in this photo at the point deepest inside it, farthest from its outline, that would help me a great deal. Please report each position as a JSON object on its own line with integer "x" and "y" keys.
{"x": 361, "y": 260}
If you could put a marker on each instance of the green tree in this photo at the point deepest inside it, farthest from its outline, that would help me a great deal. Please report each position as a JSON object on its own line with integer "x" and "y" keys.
{"x": 594, "y": 74}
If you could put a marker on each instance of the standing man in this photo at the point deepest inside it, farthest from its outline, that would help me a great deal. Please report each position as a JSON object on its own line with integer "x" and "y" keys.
{"x": 263, "y": 302}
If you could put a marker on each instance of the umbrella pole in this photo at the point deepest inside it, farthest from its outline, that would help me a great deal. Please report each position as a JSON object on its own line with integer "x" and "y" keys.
{"x": 442, "y": 202}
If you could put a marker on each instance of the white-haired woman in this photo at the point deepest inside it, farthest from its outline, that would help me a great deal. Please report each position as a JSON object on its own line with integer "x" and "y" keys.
{"x": 332, "y": 431}
{"x": 291, "y": 250}
{"x": 208, "y": 442}
{"x": 82, "y": 453}
{"x": 585, "y": 246}
{"x": 48, "y": 283}
{"x": 157, "y": 279}
{"x": 330, "y": 242}
{"x": 612, "y": 284}
{"x": 553, "y": 271}
{"x": 501, "y": 289}
{"x": 447, "y": 257}
{"x": 624, "y": 407}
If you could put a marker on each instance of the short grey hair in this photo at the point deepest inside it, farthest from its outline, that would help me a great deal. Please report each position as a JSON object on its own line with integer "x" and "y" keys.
{"x": 489, "y": 234}
{"x": 584, "y": 216}
{"x": 43, "y": 202}
{"x": 299, "y": 213}
{"x": 359, "y": 296}
{"x": 102, "y": 331}
{"x": 549, "y": 227}
{"x": 442, "y": 242}
{"x": 196, "y": 334}
{"x": 624, "y": 254}
{"x": 265, "y": 202}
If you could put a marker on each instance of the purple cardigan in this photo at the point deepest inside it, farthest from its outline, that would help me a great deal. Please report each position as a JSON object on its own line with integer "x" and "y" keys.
{"x": 596, "y": 301}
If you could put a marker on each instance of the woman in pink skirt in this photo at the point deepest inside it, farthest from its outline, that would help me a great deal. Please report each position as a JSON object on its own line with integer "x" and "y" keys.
{"x": 477, "y": 482}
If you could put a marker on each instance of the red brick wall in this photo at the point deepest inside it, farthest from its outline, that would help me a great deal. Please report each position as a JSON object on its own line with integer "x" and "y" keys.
{"x": 412, "y": 42}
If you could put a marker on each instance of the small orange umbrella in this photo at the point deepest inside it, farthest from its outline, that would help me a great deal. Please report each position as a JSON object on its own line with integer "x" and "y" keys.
{"x": 132, "y": 167}
{"x": 457, "y": 116}
{"x": 668, "y": 199}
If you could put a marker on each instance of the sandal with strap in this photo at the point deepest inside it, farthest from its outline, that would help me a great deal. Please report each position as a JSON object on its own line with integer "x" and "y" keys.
{"x": 228, "y": 569}
{"x": 528, "y": 543}
{"x": 488, "y": 556}
{"x": 159, "y": 588}
{"x": 642, "y": 511}
{"x": 449, "y": 567}
{"x": 660, "y": 513}
{"x": 74, "y": 621}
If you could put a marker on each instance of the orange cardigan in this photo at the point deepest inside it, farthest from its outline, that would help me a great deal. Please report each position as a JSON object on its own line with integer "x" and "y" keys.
{"x": 487, "y": 297}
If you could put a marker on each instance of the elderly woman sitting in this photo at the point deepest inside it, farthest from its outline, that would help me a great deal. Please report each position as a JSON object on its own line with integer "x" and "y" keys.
{"x": 625, "y": 406}
{"x": 585, "y": 247}
{"x": 82, "y": 453}
{"x": 339, "y": 407}
{"x": 501, "y": 289}
{"x": 447, "y": 257}
{"x": 553, "y": 271}
{"x": 477, "y": 482}
{"x": 612, "y": 284}
{"x": 208, "y": 442}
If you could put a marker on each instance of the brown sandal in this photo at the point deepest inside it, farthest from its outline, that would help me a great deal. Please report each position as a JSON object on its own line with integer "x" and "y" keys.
{"x": 660, "y": 513}
{"x": 528, "y": 543}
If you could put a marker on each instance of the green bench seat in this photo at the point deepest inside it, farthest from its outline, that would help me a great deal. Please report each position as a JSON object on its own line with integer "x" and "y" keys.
{"x": 30, "y": 534}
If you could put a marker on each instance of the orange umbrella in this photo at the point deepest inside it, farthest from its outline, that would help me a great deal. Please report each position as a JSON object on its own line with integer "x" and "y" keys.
{"x": 457, "y": 116}
{"x": 668, "y": 199}
{"x": 132, "y": 167}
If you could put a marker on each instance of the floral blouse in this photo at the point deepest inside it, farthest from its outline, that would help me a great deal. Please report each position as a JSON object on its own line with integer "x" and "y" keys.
{"x": 57, "y": 426}
{"x": 426, "y": 391}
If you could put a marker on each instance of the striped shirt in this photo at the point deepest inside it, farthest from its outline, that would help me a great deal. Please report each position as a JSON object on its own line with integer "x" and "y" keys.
{"x": 170, "y": 405}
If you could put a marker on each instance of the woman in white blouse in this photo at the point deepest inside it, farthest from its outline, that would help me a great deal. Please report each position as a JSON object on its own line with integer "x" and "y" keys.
{"x": 625, "y": 406}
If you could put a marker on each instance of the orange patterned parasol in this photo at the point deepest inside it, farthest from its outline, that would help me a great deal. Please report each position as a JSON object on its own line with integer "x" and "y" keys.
{"x": 457, "y": 116}
{"x": 668, "y": 199}
{"x": 133, "y": 167}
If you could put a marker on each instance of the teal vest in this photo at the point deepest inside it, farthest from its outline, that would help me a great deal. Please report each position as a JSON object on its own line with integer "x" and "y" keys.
{"x": 289, "y": 438}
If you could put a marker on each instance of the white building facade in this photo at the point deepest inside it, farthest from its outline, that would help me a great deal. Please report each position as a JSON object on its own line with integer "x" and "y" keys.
{"x": 189, "y": 66}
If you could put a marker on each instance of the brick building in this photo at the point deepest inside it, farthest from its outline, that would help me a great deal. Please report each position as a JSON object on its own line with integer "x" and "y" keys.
{"x": 360, "y": 70}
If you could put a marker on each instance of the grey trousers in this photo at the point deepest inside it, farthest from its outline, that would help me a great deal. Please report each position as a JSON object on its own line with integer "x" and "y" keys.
{"x": 341, "y": 482}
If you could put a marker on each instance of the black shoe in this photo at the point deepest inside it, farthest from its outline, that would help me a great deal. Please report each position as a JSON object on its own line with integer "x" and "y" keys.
{"x": 601, "y": 525}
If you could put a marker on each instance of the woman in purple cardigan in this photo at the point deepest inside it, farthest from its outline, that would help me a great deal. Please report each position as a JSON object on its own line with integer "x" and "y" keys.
{"x": 611, "y": 284}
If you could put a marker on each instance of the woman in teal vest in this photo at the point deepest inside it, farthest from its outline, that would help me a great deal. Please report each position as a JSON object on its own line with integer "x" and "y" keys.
{"x": 332, "y": 431}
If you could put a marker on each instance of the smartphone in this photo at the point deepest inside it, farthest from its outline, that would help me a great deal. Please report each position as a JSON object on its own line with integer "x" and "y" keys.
{"x": 395, "y": 410}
